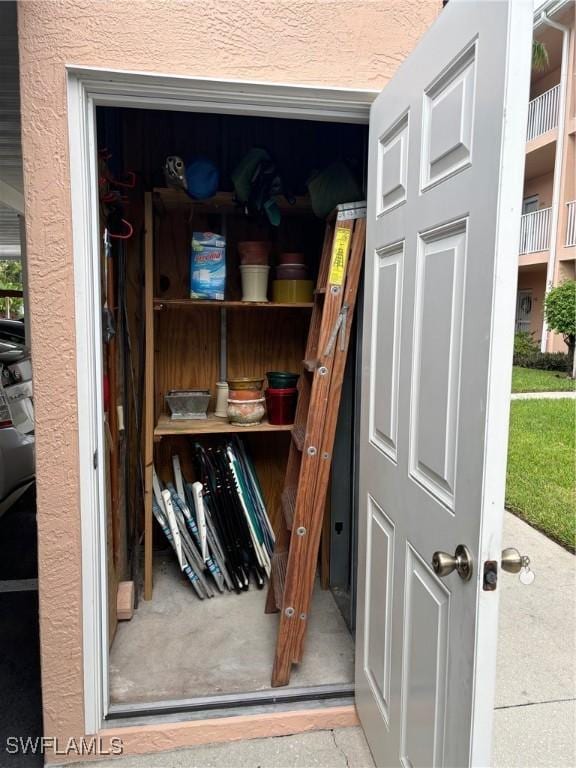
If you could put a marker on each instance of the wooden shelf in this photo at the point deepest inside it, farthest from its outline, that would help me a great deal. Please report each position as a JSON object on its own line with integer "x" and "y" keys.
{"x": 162, "y": 304}
{"x": 167, "y": 199}
{"x": 213, "y": 425}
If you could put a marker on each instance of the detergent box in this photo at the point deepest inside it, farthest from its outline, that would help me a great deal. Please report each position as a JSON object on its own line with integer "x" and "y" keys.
{"x": 208, "y": 266}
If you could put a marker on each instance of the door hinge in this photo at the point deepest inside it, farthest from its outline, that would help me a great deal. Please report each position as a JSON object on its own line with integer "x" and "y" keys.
{"x": 95, "y": 459}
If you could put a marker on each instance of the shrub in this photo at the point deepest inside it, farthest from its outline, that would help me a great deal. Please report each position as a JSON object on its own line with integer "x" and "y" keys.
{"x": 524, "y": 344}
{"x": 545, "y": 361}
{"x": 560, "y": 311}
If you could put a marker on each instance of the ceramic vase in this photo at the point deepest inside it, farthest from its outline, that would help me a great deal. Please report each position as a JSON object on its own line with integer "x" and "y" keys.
{"x": 254, "y": 282}
{"x": 221, "y": 409}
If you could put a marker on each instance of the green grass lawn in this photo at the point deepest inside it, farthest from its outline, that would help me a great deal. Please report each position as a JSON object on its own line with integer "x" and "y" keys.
{"x": 541, "y": 477}
{"x": 533, "y": 380}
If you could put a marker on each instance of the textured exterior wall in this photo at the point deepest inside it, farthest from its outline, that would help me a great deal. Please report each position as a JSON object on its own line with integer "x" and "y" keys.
{"x": 541, "y": 186}
{"x": 544, "y": 83}
{"x": 345, "y": 43}
{"x": 534, "y": 279}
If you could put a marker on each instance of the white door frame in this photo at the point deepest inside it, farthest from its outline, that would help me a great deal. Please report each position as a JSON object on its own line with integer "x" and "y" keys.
{"x": 89, "y": 88}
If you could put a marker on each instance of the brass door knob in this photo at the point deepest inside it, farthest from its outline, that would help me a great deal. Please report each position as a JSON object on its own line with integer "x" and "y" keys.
{"x": 461, "y": 562}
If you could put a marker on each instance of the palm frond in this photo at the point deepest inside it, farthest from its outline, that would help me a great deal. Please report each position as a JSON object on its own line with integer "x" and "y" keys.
{"x": 540, "y": 58}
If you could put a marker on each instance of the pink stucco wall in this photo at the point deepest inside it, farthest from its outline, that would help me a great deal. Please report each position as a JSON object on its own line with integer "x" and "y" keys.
{"x": 541, "y": 186}
{"x": 345, "y": 43}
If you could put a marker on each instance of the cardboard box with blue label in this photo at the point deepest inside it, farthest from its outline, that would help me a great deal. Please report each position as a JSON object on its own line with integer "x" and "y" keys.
{"x": 208, "y": 266}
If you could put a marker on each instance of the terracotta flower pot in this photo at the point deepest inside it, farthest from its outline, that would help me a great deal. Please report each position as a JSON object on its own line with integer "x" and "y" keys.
{"x": 254, "y": 252}
{"x": 291, "y": 258}
{"x": 246, "y": 382}
{"x": 244, "y": 394}
{"x": 292, "y": 272}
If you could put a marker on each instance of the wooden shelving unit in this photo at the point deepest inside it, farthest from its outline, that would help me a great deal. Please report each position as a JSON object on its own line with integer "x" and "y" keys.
{"x": 189, "y": 344}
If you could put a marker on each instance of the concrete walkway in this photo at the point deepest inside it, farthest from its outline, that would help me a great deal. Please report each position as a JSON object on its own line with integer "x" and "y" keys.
{"x": 535, "y": 714}
{"x": 543, "y": 395}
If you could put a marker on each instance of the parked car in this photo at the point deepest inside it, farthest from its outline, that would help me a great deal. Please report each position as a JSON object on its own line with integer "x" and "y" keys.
{"x": 12, "y": 330}
{"x": 17, "y": 466}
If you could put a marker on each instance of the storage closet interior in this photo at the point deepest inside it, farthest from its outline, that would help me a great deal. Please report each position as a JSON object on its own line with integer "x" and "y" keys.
{"x": 211, "y": 244}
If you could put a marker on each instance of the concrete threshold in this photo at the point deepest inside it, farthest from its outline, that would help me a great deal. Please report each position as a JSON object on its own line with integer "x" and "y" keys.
{"x": 543, "y": 395}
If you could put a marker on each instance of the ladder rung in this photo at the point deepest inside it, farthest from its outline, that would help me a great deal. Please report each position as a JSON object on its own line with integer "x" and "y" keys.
{"x": 289, "y": 504}
{"x": 311, "y": 365}
{"x": 298, "y": 436}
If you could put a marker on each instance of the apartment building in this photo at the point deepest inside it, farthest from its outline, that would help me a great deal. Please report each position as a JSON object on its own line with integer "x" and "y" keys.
{"x": 547, "y": 249}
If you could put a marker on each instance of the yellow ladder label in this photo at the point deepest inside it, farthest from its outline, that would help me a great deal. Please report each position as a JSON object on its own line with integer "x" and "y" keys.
{"x": 340, "y": 248}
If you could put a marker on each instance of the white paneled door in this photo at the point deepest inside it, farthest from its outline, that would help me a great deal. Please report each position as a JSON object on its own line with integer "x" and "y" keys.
{"x": 446, "y": 160}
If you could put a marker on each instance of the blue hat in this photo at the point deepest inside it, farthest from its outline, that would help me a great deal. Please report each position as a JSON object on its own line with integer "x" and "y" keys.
{"x": 202, "y": 178}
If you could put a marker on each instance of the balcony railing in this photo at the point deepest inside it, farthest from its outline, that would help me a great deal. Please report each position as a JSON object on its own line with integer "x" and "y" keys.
{"x": 571, "y": 224}
{"x": 535, "y": 231}
{"x": 543, "y": 113}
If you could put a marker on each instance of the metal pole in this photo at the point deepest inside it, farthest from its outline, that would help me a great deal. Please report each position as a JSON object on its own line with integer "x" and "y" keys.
{"x": 223, "y": 368}
{"x": 558, "y": 165}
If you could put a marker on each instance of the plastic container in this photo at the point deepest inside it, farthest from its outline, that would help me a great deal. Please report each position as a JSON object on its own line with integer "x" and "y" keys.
{"x": 254, "y": 282}
{"x": 281, "y": 405}
{"x": 282, "y": 379}
{"x": 292, "y": 291}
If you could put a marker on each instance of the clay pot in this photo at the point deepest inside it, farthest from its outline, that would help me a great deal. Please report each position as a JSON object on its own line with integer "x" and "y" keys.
{"x": 292, "y": 272}
{"x": 246, "y": 382}
{"x": 243, "y": 413}
{"x": 291, "y": 258}
{"x": 254, "y": 252}
{"x": 244, "y": 394}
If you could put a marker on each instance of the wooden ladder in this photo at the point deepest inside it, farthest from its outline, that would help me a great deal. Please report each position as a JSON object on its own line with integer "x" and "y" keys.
{"x": 308, "y": 470}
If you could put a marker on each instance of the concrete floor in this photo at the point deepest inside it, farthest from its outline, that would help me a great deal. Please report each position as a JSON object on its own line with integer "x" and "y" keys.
{"x": 20, "y": 695}
{"x": 177, "y": 646}
{"x": 340, "y": 748}
{"x": 535, "y": 708}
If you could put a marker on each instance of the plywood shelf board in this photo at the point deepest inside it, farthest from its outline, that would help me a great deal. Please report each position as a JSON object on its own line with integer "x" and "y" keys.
{"x": 166, "y": 198}
{"x": 163, "y": 304}
{"x": 213, "y": 425}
